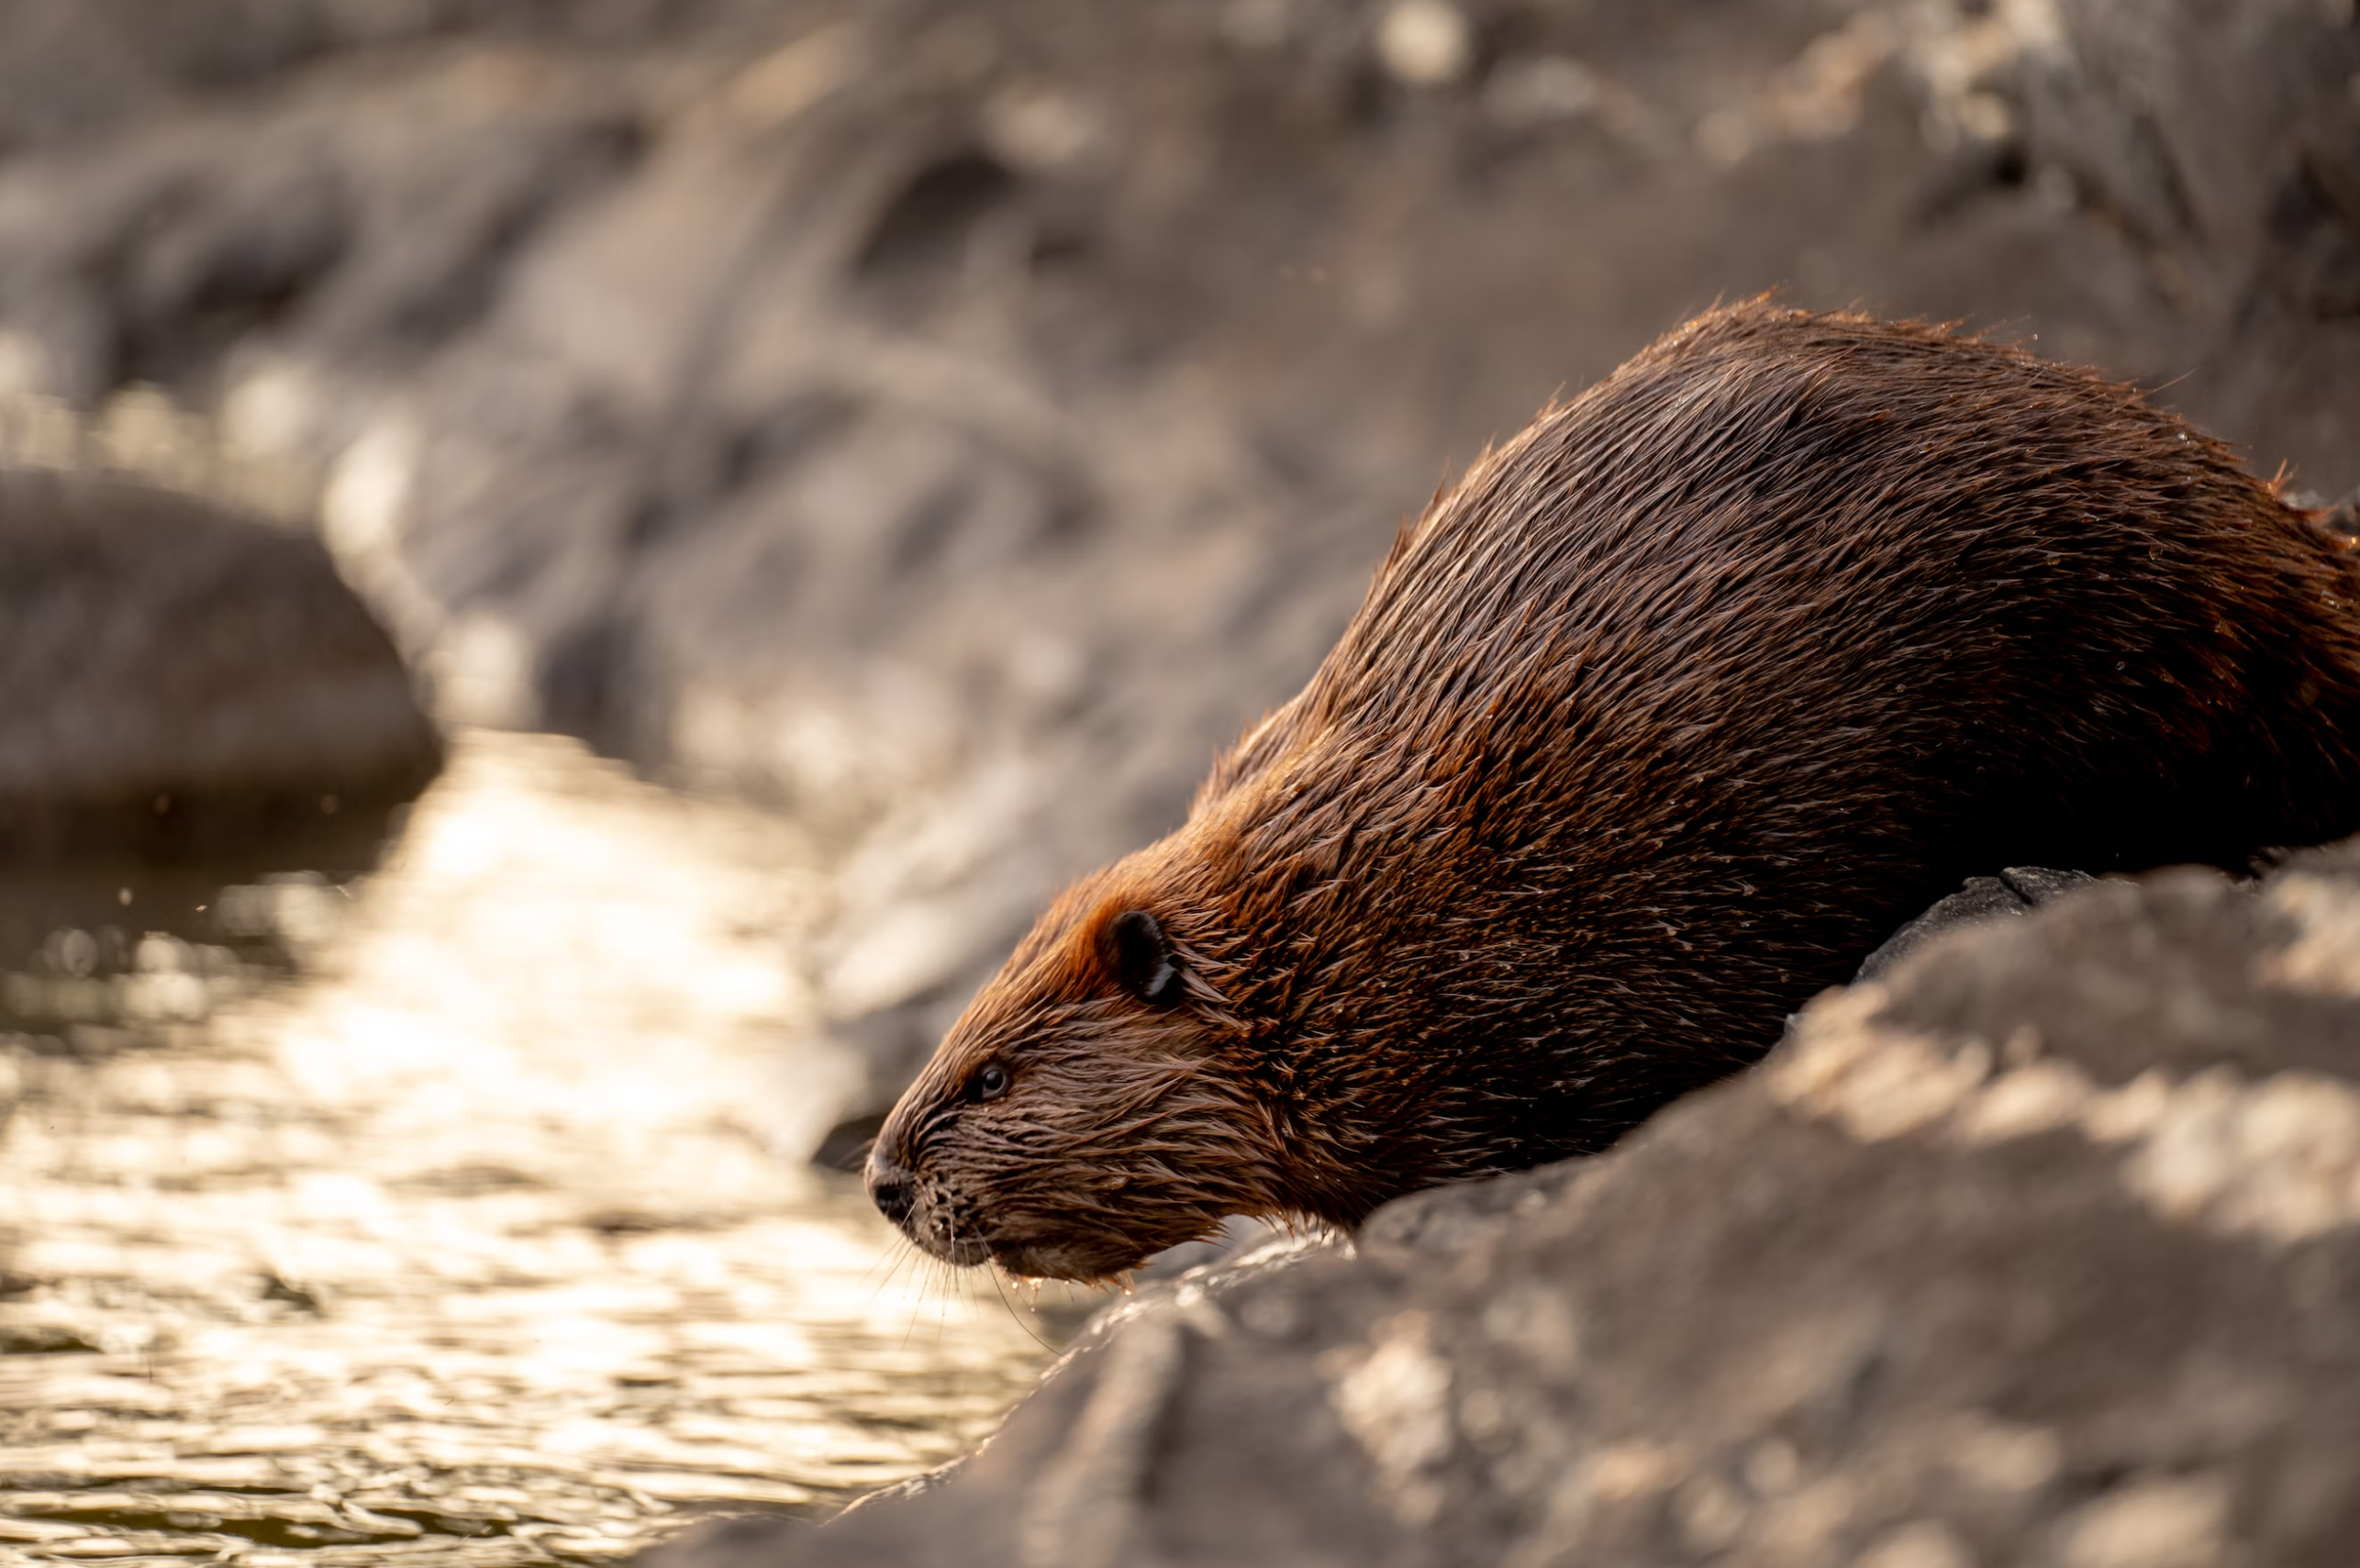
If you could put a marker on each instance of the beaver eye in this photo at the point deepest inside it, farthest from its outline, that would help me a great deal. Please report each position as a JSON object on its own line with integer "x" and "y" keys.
{"x": 991, "y": 1083}
{"x": 1141, "y": 957}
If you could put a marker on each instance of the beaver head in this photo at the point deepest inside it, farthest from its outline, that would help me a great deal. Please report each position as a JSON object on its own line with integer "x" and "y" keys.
{"x": 1086, "y": 1109}
{"x": 1648, "y": 730}
{"x": 1204, "y": 1029}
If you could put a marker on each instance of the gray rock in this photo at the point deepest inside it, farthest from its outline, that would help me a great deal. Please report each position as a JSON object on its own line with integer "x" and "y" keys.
{"x": 2044, "y": 1249}
{"x": 177, "y": 681}
{"x": 2014, "y": 891}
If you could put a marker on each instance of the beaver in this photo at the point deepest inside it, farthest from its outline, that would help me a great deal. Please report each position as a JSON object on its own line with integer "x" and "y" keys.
{"x": 1647, "y": 731}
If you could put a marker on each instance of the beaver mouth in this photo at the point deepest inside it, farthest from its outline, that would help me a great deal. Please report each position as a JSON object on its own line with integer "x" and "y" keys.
{"x": 963, "y": 1252}
{"x": 935, "y": 1228}
{"x": 951, "y": 1223}
{"x": 942, "y": 1226}
{"x": 969, "y": 1246}
{"x": 1027, "y": 1261}
{"x": 927, "y": 1211}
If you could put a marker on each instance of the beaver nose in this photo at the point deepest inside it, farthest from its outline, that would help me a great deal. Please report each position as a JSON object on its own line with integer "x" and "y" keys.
{"x": 893, "y": 1190}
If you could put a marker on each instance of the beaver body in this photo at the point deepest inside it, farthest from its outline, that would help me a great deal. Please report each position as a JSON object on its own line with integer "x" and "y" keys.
{"x": 1649, "y": 729}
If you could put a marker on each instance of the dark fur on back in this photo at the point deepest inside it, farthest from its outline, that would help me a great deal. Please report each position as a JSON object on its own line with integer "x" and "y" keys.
{"x": 1649, "y": 729}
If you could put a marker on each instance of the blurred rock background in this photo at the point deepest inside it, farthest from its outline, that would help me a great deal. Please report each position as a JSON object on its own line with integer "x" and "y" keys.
{"x": 950, "y": 423}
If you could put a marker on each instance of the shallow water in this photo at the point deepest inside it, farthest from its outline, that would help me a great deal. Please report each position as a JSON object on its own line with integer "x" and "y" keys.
{"x": 457, "y": 1213}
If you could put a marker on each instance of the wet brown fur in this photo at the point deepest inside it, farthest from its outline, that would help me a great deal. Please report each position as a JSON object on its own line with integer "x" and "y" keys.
{"x": 1652, "y": 727}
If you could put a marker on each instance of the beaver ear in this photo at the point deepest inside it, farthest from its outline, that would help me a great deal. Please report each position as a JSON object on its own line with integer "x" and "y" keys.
{"x": 1141, "y": 958}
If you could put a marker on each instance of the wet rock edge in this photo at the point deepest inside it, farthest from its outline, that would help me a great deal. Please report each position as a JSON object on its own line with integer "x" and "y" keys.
{"x": 2043, "y": 1246}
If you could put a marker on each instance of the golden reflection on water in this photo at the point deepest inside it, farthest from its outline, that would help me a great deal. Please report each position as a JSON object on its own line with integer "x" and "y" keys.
{"x": 486, "y": 1240}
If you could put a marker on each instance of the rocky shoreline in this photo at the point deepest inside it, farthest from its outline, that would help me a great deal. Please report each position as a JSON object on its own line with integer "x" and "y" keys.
{"x": 2043, "y": 1248}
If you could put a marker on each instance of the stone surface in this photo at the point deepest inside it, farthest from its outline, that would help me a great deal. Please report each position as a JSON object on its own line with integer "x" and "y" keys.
{"x": 2043, "y": 1249}
{"x": 175, "y": 681}
{"x": 2014, "y": 891}
{"x": 953, "y": 422}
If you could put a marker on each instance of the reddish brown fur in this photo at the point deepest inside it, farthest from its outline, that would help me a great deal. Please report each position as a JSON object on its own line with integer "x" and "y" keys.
{"x": 1649, "y": 729}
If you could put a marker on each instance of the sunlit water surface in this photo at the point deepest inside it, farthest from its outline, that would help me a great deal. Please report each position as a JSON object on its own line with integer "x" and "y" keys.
{"x": 483, "y": 1235}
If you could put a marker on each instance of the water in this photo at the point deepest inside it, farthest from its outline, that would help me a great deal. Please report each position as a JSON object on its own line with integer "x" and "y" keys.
{"x": 456, "y": 1213}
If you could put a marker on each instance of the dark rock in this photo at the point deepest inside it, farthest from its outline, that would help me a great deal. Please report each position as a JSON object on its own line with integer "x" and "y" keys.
{"x": 846, "y": 1145}
{"x": 177, "y": 681}
{"x": 2013, "y": 891}
{"x": 2045, "y": 1248}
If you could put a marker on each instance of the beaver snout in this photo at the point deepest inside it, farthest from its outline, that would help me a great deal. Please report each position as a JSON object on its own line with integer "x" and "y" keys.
{"x": 934, "y": 1215}
{"x": 893, "y": 1190}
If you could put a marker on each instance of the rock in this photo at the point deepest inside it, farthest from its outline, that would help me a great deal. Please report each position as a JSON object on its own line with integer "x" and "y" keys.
{"x": 2044, "y": 1248}
{"x": 2014, "y": 891}
{"x": 177, "y": 681}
